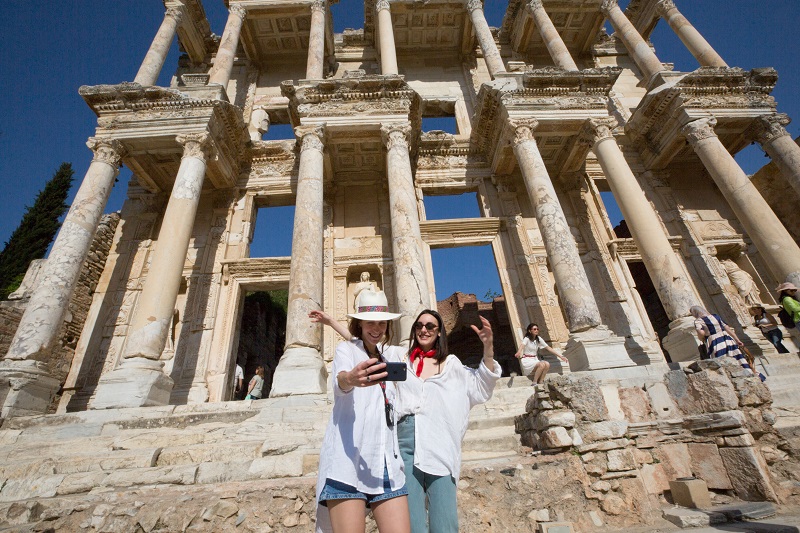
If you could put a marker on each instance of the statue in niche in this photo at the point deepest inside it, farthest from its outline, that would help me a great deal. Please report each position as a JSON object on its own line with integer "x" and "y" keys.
{"x": 365, "y": 283}
{"x": 743, "y": 282}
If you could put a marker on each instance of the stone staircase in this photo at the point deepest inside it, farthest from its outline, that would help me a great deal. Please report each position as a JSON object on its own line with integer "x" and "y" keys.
{"x": 59, "y": 455}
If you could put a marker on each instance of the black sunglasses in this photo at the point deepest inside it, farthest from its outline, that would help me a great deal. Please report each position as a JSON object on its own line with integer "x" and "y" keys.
{"x": 430, "y": 326}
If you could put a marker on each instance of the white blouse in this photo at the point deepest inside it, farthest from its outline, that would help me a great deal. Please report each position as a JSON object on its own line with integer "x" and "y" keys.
{"x": 532, "y": 347}
{"x": 357, "y": 441}
{"x": 441, "y": 405}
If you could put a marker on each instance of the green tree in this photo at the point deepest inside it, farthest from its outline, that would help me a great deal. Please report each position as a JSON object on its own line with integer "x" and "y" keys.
{"x": 36, "y": 230}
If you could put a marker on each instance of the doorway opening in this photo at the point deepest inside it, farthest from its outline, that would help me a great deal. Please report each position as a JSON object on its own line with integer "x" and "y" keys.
{"x": 262, "y": 336}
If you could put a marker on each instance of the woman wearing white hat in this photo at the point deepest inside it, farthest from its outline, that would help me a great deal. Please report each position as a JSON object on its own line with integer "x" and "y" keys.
{"x": 360, "y": 465}
{"x": 787, "y": 296}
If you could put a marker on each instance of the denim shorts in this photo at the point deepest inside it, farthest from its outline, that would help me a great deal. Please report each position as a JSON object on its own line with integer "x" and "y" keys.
{"x": 336, "y": 490}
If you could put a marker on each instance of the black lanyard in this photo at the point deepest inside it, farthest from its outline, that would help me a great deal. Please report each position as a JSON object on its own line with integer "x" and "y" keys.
{"x": 387, "y": 405}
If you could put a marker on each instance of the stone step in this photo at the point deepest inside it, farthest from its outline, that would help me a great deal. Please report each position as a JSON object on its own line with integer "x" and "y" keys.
{"x": 500, "y": 439}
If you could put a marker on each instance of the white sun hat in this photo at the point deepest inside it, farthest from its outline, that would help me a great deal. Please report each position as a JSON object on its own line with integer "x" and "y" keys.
{"x": 373, "y": 305}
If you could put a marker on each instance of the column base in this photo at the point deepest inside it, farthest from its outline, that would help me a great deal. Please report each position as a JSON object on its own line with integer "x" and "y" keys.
{"x": 596, "y": 349}
{"x": 301, "y": 370}
{"x": 138, "y": 382}
{"x": 681, "y": 342}
{"x": 26, "y": 388}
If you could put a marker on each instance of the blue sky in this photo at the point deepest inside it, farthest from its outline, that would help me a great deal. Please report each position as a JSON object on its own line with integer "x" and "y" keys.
{"x": 47, "y": 55}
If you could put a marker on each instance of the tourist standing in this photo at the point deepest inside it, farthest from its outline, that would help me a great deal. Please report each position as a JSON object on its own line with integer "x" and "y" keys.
{"x": 531, "y": 363}
{"x": 238, "y": 382}
{"x": 768, "y": 326}
{"x": 360, "y": 465}
{"x": 787, "y": 296}
{"x": 719, "y": 338}
{"x": 254, "y": 388}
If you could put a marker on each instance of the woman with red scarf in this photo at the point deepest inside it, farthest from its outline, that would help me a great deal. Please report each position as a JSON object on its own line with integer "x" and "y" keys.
{"x": 433, "y": 406}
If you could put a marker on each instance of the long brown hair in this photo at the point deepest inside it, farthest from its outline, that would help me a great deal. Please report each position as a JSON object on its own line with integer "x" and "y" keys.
{"x": 529, "y": 334}
{"x": 440, "y": 344}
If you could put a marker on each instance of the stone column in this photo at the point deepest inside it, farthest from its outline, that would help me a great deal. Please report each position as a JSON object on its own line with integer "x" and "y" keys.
{"x": 552, "y": 40}
{"x": 26, "y": 386}
{"x": 591, "y": 346}
{"x": 490, "y": 52}
{"x": 301, "y": 370}
{"x": 688, "y": 34}
{"x": 316, "y": 41}
{"x": 669, "y": 279}
{"x": 223, "y": 62}
{"x": 259, "y": 123}
{"x": 139, "y": 381}
{"x": 386, "y": 35}
{"x": 779, "y": 251}
{"x": 780, "y": 147}
{"x": 637, "y": 47}
{"x": 157, "y": 54}
{"x": 411, "y": 280}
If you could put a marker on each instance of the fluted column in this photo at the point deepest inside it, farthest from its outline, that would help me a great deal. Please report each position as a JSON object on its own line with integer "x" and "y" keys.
{"x": 637, "y": 47}
{"x": 386, "y": 35}
{"x": 409, "y": 263}
{"x": 494, "y": 62}
{"x": 25, "y": 384}
{"x": 779, "y": 251}
{"x": 157, "y": 54}
{"x": 301, "y": 370}
{"x": 688, "y": 34}
{"x": 780, "y": 147}
{"x": 223, "y": 62}
{"x": 316, "y": 41}
{"x": 573, "y": 285}
{"x": 552, "y": 40}
{"x": 674, "y": 290}
{"x": 140, "y": 381}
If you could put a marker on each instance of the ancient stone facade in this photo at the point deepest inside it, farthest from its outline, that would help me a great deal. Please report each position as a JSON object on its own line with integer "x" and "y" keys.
{"x": 550, "y": 112}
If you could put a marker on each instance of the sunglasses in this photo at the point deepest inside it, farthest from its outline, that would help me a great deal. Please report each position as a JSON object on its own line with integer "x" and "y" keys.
{"x": 430, "y": 326}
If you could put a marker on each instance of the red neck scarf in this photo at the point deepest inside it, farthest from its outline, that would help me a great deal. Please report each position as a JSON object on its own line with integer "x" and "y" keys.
{"x": 418, "y": 353}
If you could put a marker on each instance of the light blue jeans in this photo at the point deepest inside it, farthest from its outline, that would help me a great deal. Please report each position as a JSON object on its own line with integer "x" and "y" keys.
{"x": 442, "y": 511}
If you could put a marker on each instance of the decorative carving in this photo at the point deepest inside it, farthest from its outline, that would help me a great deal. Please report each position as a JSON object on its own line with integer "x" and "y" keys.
{"x": 195, "y": 144}
{"x": 523, "y": 129}
{"x": 108, "y": 151}
{"x": 319, "y": 6}
{"x": 395, "y": 135}
{"x": 607, "y": 6}
{"x": 533, "y": 5}
{"x": 664, "y": 6}
{"x": 768, "y": 128}
{"x": 310, "y": 137}
{"x": 472, "y": 5}
{"x": 744, "y": 283}
{"x": 597, "y": 129}
{"x": 381, "y": 4}
{"x": 239, "y": 10}
{"x": 176, "y": 13}
{"x": 700, "y": 129}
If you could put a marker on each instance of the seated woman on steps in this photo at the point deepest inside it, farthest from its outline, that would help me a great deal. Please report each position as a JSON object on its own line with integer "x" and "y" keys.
{"x": 531, "y": 363}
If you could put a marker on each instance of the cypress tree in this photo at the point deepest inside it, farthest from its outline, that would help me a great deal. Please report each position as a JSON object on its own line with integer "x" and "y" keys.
{"x": 36, "y": 230}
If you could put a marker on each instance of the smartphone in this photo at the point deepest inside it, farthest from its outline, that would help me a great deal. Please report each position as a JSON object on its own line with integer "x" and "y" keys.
{"x": 395, "y": 372}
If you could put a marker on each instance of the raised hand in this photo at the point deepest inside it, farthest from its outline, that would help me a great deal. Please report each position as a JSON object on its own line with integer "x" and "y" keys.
{"x": 484, "y": 333}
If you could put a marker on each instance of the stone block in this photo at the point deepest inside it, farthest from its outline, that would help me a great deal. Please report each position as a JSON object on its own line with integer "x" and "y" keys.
{"x": 277, "y": 466}
{"x": 654, "y": 478}
{"x": 563, "y": 418}
{"x": 539, "y": 515}
{"x": 692, "y": 493}
{"x": 224, "y": 472}
{"x": 747, "y": 510}
{"x": 740, "y": 440}
{"x": 635, "y": 404}
{"x": 713, "y": 391}
{"x": 610, "y": 429}
{"x": 620, "y": 460}
{"x": 577, "y": 440}
{"x": 677, "y": 384}
{"x": 752, "y": 392}
{"x": 613, "y": 404}
{"x": 166, "y": 475}
{"x": 685, "y": 518}
{"x": 555, "y": 437}
{"x": 582, "y": 394}
{"x": 675, "y": 459}
{"x": 555, "y": 527}
{"x": 715, "y": 421}
{"x": 613, "y": 505}
{"x": 31, "y": 487}
{"x": 81, "y": 482}
{"x": 706, "y": 464}
{"x": 660, "y": 401}
{"x": 748, "y": 473}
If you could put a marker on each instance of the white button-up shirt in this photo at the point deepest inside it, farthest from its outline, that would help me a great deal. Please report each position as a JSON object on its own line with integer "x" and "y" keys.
{"x": 357, "y": 442}
{"x": 441, "y": 405}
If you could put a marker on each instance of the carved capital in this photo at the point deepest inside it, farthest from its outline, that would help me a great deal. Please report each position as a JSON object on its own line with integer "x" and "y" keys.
{"x": 108, "y": 151}
{"x": 176, "y": 13}
{"x": 396, "y": 135}
{"x": 664, "y": 6}
{"x": 381, "y": 5}
{"x": 472, "y": 5}
{"x": 522, "y": 129}
{"x": 310, "y": 137}
{"x": 195, "y": 144}
{"x": 607, "y": 6}
{"x": 319, "y": 6}
{"x": 597, "y": 129}
{"x": 768, "y": 128}
{"x": 239, "y": 11}
{"x": 534, "y": 5}
{"x": 700, "y": 129}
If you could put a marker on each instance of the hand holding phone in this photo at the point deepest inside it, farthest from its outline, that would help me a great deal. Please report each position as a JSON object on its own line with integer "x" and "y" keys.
{"x": 394, "y": 372}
